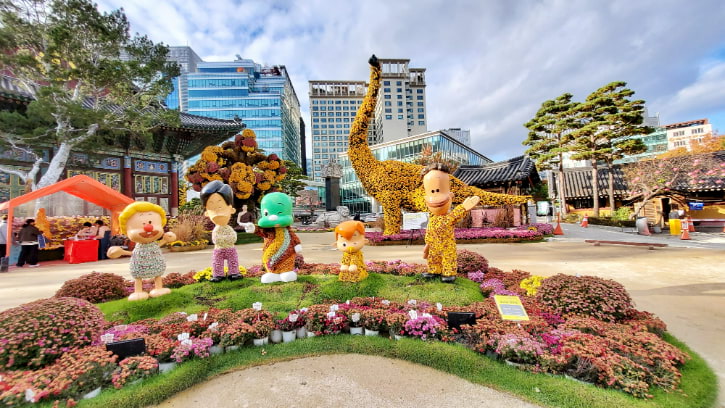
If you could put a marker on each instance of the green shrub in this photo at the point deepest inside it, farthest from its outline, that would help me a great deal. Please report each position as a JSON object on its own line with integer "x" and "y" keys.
{"x": 603, "y": 299}
{"x": 36, "y": 334}
{"x": 94, "y": 287}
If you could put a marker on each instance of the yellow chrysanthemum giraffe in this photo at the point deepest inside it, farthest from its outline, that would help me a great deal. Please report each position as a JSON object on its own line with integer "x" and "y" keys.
{"x": 397, "y": 185}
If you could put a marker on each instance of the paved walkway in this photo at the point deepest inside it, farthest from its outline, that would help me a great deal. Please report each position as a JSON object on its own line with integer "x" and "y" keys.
{"x": 684, "y": 284}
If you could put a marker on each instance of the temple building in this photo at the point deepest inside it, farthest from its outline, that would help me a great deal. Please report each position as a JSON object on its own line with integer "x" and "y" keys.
{"x": 148, "y": 172}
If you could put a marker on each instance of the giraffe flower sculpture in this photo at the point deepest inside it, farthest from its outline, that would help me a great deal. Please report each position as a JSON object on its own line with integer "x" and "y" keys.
{"x": 396, "y": 185}
{"x": 280, "y": 242}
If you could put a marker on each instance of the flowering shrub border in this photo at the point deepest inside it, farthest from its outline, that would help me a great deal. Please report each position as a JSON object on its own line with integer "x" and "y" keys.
{"x": 469, "y": 235}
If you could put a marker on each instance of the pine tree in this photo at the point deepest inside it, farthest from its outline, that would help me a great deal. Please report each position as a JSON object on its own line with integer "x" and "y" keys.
{"x": 608, "y": 119}
{"x": 548, "y": 138}
{"x": 68, "y": 55}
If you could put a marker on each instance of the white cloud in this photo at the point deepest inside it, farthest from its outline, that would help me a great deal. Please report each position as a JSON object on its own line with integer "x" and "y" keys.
{"x": 489, "y": 64}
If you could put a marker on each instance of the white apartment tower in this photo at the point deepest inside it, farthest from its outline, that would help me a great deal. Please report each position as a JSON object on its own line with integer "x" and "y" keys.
{"x": 401, "y": 108}
{"x": 333, "y": 105}
{"x": 399, "y": 113}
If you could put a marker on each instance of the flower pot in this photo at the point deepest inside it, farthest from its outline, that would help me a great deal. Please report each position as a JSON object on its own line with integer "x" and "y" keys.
{"x": 216, "y": 349}
{"x": 232, "y": 348}
{"x": 511, "y": 363}
{"x": 92, "y": 394}
{"x": 276, "y": 336}
{"x": 397, "y": 336}
{"x": 301, "y": 333}
{"x": 371, "y": 332}
{"x": 166, "y": 367}
{"x": 356, "y": 330}
{"x": 289, "y": 336}
{"x": 310, "y": 334}
{"x": 259, "y": 342}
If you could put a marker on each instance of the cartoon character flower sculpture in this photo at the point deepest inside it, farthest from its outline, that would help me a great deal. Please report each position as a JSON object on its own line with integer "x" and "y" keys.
{"x": 440, "y": 241}
{"x": 143, "y": 223}
{"x": 218, "y": 200}
{"x": 280, "y": 243}
{"x": 350, "y": 239}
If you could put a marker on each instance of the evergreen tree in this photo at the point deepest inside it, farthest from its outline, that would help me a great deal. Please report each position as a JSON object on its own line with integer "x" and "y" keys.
{"x": 294, "y": 179}
{"x": 548, "y": 138}
{"x": 608, "y": 119}
{"x": 68, "y": 55}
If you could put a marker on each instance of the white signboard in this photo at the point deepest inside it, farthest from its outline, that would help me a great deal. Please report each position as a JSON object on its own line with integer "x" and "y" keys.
{"x": 414, "y": 221}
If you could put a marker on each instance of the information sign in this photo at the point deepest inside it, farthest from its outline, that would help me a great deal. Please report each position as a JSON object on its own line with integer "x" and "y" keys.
{"x": 510, "y": 308}
{"x": 415, "y": 221}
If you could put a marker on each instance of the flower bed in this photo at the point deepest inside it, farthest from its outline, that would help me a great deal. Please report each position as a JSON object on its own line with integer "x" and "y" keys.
{"x": 468, "y": 235}
{"x": 599, "y": 338}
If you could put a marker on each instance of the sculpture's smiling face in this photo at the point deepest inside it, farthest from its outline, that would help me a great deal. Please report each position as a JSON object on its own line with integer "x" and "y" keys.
{"x": 144, "y": 227}
{"x": 276, "y": 211}
{"x": 438, "y": 195}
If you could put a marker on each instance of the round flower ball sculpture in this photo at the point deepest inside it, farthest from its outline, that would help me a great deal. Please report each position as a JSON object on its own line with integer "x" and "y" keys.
{"x": 280, "y": 243}
{"x": 218, "y": 199}
{"x": 440, "y": 241}
{"x": 350, "y": 239}
{"x": 143, "y": 223}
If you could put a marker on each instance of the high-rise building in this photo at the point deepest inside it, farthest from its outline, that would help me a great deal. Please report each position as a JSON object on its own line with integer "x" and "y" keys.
{"x": 462, "y": 135}
{"x": 333, "y": 105}
{"x": 187, "y": 60}
{"x": 400, "y": 111}
{"x": 682, "y": 134}
{"x": 262, "y": 97}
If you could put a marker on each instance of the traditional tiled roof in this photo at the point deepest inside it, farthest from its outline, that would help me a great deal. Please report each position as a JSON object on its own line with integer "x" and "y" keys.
{"x": 10, "y": 88}
{"x": 519, "y": 168}
{"x": 578, "y": 182}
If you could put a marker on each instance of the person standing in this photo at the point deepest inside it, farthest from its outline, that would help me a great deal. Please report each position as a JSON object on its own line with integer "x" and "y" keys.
{"x": 28, "y": 237}
{"x": 103, "y": 235}
{"x": 3, "y": 235}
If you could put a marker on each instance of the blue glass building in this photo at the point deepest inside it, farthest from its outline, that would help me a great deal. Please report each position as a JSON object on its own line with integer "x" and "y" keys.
{"x": 262, "y": 97}
{"x": 352, "y": 193}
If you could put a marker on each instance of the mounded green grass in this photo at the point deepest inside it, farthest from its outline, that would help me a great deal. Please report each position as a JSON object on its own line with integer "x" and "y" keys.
{"x": 284, "y": 297}
{"x": 698, "y": 387}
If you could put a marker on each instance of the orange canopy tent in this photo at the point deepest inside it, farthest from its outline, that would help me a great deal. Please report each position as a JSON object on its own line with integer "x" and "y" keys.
{"x": 80, "y": 186}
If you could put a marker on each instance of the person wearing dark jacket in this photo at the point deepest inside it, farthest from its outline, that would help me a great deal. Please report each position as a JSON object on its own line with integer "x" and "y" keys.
{"x": 28, "y": 237}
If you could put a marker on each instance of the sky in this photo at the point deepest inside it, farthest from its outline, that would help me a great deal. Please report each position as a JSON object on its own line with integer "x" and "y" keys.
{"x": 489, "y": 64}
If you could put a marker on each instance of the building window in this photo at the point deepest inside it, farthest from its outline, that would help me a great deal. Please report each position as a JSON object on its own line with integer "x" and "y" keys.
{"x": 420, "y": 103}
{"x": 421, "y": 110}
{"x": 419, "y": 97}
{"x": 388, "y": 117}
{"x": 421, "y": 123}
{"x": 421, "y": 116}
{"x": 400, "y": 110}
{"x": 388, "y": 110}
{"x": 400, "y": 116}
{"x": 399, "y": 90}
{"x": 386, "y": 96}
{"x": 418, "y": 91}
{"x": 697, "y": 130}
{"x": 386, "y": 90}
{"x": 400, "y": 96}
{"x": 398, "y": 83}
{"x": 386, "y": 83}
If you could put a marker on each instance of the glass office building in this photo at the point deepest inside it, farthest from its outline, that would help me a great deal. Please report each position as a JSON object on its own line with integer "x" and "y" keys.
{"x": 352, "y": 193}
{"x": 261, "y": 97}
{"x": 656, "y": 143}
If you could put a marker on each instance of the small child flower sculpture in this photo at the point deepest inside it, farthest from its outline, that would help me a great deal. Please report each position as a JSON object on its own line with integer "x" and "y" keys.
{"x": 143, "y": 223}
{"x": 350, "y": 239}
{"x": 218, "y": 199}
{"x": 440, "y": 241}
{"x": 280, "y": 242}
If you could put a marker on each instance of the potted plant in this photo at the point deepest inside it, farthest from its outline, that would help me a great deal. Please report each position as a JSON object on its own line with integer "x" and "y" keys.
{"x": 134, "y": 369}
{"x": 396, "y": 323}
{"x": 276, "y": 335}
{"x": 373, "y": 320}
{"x": 316, "y": 319}
{"x": 424, "y": 327}
{"x": 262, "y": 329}
{"x": 161, "y": 348}
{"x": 190, "y": 347}
{"x": 288, "y": 325}
{"x": 300, "y": 323}
{"x": 235, "y": 334}
{"x": 334, "y": 323}
{"x": 355, "y": 323}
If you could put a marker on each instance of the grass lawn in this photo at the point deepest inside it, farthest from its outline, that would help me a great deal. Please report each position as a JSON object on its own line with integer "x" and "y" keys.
{"x": 698, "y": 387}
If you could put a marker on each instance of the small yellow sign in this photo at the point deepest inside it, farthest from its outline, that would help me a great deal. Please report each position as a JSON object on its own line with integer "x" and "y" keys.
{"x": 510, "y": 308}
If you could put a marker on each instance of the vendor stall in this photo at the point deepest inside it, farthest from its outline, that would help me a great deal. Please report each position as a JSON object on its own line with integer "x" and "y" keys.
{"x": 84, "y": 188}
